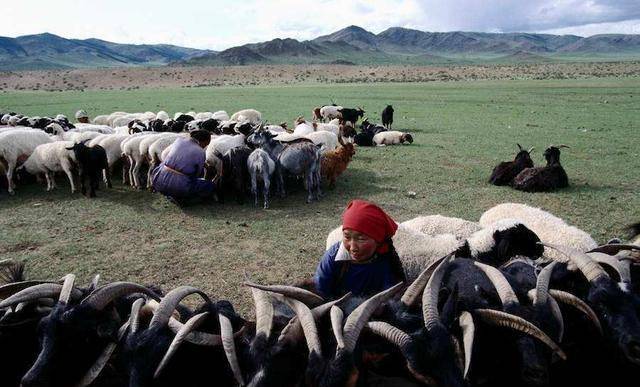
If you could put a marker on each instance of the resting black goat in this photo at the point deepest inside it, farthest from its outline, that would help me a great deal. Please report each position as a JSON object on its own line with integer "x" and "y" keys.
{"x": 92, "y": 163}
{"x": 365, "y": 137}
{"x": 547, "y": 178}
{"x": 506, "y": 171}
{"x": 387, "y": 117}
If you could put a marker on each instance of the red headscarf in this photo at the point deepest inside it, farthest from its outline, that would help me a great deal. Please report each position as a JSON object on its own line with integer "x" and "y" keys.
{"x": 369, "y": 219}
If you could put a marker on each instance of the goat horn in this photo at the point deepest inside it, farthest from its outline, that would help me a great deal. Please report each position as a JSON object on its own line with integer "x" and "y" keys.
{"x": 414, "y": 291}
{"x": 553, "y": 305}
{"x": 394, "y": 335}
{"x": 569, "y": 299}
{"x": 296, "y": 293}
{"x": 359, "y": 317}
{"x": 9, "y": 290}
{"x": 519, "y": 147}
{"x": 264, "y": 312}
{"x": 468, "y": 335}
{"x": 308, "y": 324}
{"x": 506, "y": 320}
{"x": 134, "y": 317}
{"x": 100, "y": 298}
{"x": 430, "y": 312}
{"x": 170, "y": 302}
{"x": 542, "y": 284}
{"x": 613, "y": 248}
{"x": 229, "y": 345}
{"x": 67, "y": 287}
{"x": 337, "y": 316}
{"x": 622, "y": 269}
{"x": 563, "y": 146}
{"x": 102, "y": 360}
{"x": 46, "y": 290}
{"x": 95, "y": 281}
{"x": 180, "y": 336}
{"x": 531, "y": 149}
{"x": 293, "y": 329}
{"x": 505, "y": 292}
{"x": 590, "y": 269}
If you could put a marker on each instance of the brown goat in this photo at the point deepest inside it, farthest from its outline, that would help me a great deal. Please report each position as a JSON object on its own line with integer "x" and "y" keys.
{"x": 316, "y": 116}
{"x": 335, "y": 162}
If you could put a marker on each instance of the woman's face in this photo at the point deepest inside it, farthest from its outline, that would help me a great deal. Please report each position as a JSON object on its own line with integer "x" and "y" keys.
{"x": 359, "y": 245}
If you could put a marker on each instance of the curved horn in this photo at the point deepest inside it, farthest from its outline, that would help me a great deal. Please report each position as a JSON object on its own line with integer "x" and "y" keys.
{"x": 190, "y": 325}
{"x": 553, "y": 305}
{"x": 394, "y": 335}
{"x": 414, "y": 291}
{"x": 531, "y": 149}
{"x": 94, "y": 282}
{"x": 170, "y": 302}
{"x": 519, "y": 146}
{"x": 229, "y": 345}
{"x": 430, "y": 312}
{"x": 9, "y": 290}
{"x": 337, "y": 316}
{"x": 102, "y": 360}
{"x": 563, "y": 146}
{"x": 542, "y": 284}
{"x": 308, "y": 324}
{"x": 359, "y": 316}
{"x": 264, "y": 312}
{"x": 569, "y": 299}
{"x": 134, "y": 317}
{"x": 67, "y": 287}
{"x": 506, "y": 320}
{"x": 46, "y": 290}
{"x": 590, "y": 269}
{"x": 505, "y": 291}
{"x": 613, "y": 248}
{"x": 293, "y": 330}
{"x": 100, "y": 298}
{"x": 621, "y": 268}
{"x": 468, "y": 334}
{"x": 296, "y": 293}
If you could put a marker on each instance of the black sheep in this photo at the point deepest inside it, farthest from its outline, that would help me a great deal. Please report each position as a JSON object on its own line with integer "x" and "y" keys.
{"x": 351, "y": 115}
{"x": 547, "y": 178}
{"x": 91, "y": 162}
{"x": 506, "y": 171}
{"x": 387, "y": 117}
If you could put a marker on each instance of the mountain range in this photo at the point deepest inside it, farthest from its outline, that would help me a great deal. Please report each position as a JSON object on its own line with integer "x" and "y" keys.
{"x": 351, "y": 45}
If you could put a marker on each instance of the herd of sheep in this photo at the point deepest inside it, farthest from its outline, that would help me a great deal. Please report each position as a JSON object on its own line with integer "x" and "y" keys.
{"x": 43, "y": 146}
{"x": 519, "y": 298}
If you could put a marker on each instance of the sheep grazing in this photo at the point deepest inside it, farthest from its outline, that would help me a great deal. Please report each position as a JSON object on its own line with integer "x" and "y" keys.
{"x": 547, "y": 178}
{"x": 15, "y": 147}
{"x": 392, "y": 137}
{"x": 387, "y": 116}
{"x": 549, "y": 228}
{"x": 261, "y": 167}
{"x": 351, "y": 115}
{"x": 92, "y": 162}
{"x": 334, "y": 162}
{"x": 247, "y": 115}
{"x": 506, "y": 171}
{"x": 50, "y": 158}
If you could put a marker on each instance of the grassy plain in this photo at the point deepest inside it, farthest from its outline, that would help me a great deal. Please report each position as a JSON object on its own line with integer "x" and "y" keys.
{"x": 461, "y": 130}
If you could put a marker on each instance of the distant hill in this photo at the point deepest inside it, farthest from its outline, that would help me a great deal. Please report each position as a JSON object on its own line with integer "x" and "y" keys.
{"x": 407, "y": 46}
{"x": 351, "y": 45}
{"x": 48, "y": 51}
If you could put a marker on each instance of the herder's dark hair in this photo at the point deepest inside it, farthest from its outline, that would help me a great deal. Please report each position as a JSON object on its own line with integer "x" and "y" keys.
{"x": 200, "y": 135}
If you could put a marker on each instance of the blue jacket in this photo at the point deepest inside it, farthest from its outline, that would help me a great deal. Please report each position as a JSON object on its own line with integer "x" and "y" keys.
{"x": 336, "y": 278}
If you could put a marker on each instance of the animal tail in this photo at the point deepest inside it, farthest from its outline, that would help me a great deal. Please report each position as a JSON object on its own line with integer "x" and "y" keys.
{"x": 11, "y": 271}
{"x": 634, "y": 230}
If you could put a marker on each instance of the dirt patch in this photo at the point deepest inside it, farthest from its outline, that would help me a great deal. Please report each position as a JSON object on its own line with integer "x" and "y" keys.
{"x": 17, "y": 247}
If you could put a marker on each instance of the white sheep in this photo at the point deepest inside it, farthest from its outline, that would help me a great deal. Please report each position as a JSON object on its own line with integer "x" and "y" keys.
{"x": 328, "y": 140}
{"x": 49, "y": 158}
{"x": 101, "y": 120}
{"x": 220, "y": 115}
{"x": 247, "y": 115}
{"x": 330, "y": 112}
{"x": 303, "y": 128}
{"x": 162, "y": 115}
{"x": 17, "y": 146}
{"x": 221, "y": 144}
{"x": 392, "y": 137}
{"x": 112, "y": 146}
{"x": 203, "y": 116}
{"x": 333, "y": 126}
{"x": 438, "y": 224}
{"x": 113, "y": 116}
{"x": 81, "y": 127}
{"x": 549, "y": 228}
{"x": 131, "y": 149}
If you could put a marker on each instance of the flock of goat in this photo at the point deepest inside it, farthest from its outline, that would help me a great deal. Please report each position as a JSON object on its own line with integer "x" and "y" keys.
{"x": 506, "y": 307}
{"x": 242, "y": 145}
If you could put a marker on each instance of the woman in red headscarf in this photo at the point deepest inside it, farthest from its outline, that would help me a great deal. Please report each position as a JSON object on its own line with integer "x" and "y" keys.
{"x": 365, "y": 261}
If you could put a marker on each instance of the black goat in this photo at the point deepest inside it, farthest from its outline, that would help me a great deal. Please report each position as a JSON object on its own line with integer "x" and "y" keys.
{"x": 547, "y": 178}
{"x": 157, "y": 125}
{"x": 92, "y": 163}
{"x": 506, "y": 171}
{"x": 351, "y": 115}
{"x": 184, "y": 118}
{"x": 235, "y": 178}
{"x": 387, "y": 117}
{"x": 365, "y": 137}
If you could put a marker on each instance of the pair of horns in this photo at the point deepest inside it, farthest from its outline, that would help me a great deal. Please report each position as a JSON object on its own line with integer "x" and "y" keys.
{"x": 529, "y": 151}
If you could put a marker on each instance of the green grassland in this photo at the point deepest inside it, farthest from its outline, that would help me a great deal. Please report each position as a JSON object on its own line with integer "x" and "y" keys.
{"x": 461, "y": 130}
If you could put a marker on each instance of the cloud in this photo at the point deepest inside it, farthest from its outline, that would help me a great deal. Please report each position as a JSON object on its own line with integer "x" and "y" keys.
{"x": 222, "y": 24}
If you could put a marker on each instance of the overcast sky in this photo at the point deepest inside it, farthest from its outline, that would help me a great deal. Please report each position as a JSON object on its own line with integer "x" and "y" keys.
{"x": 222, "y": 24}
